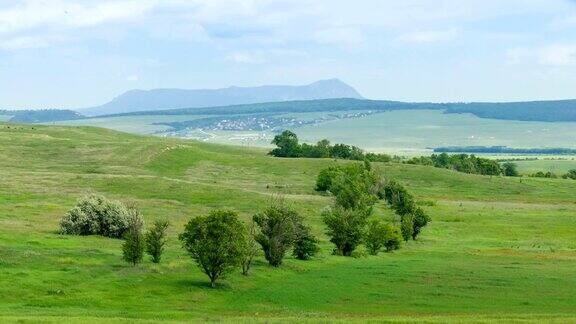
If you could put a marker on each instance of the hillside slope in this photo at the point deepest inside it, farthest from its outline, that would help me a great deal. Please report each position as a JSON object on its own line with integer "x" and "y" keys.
{"x": 497, "y": 248}
{"x": 157, "y": 99}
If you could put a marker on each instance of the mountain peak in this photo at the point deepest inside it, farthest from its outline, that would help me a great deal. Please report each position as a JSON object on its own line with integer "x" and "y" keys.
{"x": 158, "y": 99}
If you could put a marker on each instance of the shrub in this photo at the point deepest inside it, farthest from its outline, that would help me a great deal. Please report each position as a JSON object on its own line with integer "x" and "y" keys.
{"x": 251, "y": 249}
{"x": 305, "y": 244}
{"x": 156, "y": 240}
{"x": 398, "y": 198}
{"x": 277, "y": 232}
{"x": 393, "y": 238}
{"x": 407, "y": 227}
{"x": 570, "y": 175}
{"x": 133, "y": 246}
{"x": 420, "y": 219}
{"x": 345, "y": 228}
{"x": 95, "y": 215}
{"x": 375, "y": 235}
{"x": 510, "y": 169}
{"x": 216, "y": 242}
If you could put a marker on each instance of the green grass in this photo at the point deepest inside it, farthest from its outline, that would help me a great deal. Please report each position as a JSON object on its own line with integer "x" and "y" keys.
{"x": 559, "y": 167}
{"x": 498, "y": 249}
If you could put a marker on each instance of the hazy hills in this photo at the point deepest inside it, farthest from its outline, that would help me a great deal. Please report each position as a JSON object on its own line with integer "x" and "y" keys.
{"x": 158, "y": 99}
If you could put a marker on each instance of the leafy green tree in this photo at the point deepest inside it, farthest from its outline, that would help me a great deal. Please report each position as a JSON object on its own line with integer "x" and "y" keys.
{"x": 399, "y": 198}
{"x": 156, "y": 240}
{"x": 570, "y": 175}
{"x": 277, "y": 225}
{"x": 420, "y": 219}
{"x": 407, "y": 227}
{"x": 216, "y": 242}
{"x": 393, "y": 238}
{"x": 345, "y": 228}
{"x": 287, "y": 143}
{"x": 133, "y": 246}
{"x": 96, "y": 215}
{"x": 510, "y": 169}
{"x": 375, "y": 235}
{"x": 305, "y": 244}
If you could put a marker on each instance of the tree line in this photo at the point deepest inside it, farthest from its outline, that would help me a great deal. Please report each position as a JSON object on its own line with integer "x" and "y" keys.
{"x": 467, "y": 164}
{"x": 288, "y": 146}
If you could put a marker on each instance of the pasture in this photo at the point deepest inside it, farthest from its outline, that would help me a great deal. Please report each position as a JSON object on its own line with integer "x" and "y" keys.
{"x": 497, "y": 248}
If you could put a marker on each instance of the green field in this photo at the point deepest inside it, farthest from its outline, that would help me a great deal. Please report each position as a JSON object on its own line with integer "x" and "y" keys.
{"x": 558, "y": 166}
{"x": 498, "y": 249}
{"x": 404, "y": 132}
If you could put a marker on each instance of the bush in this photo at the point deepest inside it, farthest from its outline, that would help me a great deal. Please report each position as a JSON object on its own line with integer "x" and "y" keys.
{"x": 277, "y": 232}
{"x": 251, "y": 249}
{"x": 95, "y": 215}
{"x": 305, "y": 244}
{"x": 510, "y": 169}
{"x": 393, "y": 238}
{"x": 399, "y": 198}
{"x": 216, "y": 242}
{"x": 407, "y": 227}
{"x": 133, "y": 246}
{"x": 156, "y": 240}
{"x": 345, "y": 228}
{"x": 375, "y": 235}
{"x": 570, "y": 175}
{"x": 420, "y": 219}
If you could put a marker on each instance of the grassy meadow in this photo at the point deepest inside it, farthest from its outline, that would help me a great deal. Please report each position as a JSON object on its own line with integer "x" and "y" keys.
{"x": 497, "y": 249}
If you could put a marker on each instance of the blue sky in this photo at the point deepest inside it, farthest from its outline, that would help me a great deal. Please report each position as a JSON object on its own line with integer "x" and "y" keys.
{"x": 64, "y": 53}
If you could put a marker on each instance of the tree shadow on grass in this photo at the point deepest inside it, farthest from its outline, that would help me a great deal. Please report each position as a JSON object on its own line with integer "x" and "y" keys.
{"x": 202, "y": 284}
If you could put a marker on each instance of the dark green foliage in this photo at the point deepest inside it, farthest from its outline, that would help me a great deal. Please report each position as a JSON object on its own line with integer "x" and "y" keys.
{"x": 288, "y": 146}
{"x": 287, "y": 143}
{"x": 375, "y": 235}
{"x": 326, "y": 176}
{"x": 278, "y": 226}
{"x": 407, "y": 227}
{"x": 305, "y": 244}
{"x": 345, "y": 228}
{"x": 541, "y": 174}
{"x": 421, "y": 219}
{"x": 134, "y": 243}
{"x": 570, "y": 175}
{"x": 96, "y": 215}
{"x": 460, "y": 162}
{"x": 156, "y": 240}
{"x": 216, "y": 242}
{"x": 510, "y": 169}
{"x": 393, "y": 238}
{"x": 399, "y": 198}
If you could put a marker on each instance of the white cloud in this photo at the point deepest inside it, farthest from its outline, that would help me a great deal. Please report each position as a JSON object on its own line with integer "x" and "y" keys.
{"x": 430, "y": 36}
{"x": 559, "y": 55}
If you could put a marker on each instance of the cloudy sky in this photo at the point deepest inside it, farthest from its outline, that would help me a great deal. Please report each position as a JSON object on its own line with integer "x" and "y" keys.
{"x": 65, "y": 53}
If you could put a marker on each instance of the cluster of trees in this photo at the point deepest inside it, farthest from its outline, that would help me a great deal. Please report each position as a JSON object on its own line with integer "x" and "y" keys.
{"x": 351, "y": 221}
{"x": 220, "y": 242}
{"x": 288, "y": 146}
{"x": 96, "y": 215}
{"x": 568, "y": 175}
{"x": 467, "y": 164}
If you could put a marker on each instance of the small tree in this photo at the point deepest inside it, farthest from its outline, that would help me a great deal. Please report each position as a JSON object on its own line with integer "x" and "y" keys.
{"x": 375, "y": 235}
{"x": 393, "y": 238}
{"x": 345, "y": 228}
{"x": 420, "y": 219}
{"x": 407, "y": 227}
{"x": 133, "y": 246}
{"x": 251, "y": 249}
{"x": 510, "y": 169}
{"x": 277, "y": 232}
{"x": 305, "y": 244}
{"x": 216, "y": 242}
{"x": 156, "y": 240}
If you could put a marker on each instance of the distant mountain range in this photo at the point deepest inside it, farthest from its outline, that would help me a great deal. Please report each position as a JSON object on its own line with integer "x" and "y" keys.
{"x": 160, "y": 99}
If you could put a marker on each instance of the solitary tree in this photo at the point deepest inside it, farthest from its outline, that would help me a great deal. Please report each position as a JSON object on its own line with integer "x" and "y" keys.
{"x": 216, "y": 242}
{"x": 133, "y": 246}
{"x": 156, "y": 240}
{"x": 287, "y": 145}
{"x": 277, "y": 231}
{"x": 510, "y": 169}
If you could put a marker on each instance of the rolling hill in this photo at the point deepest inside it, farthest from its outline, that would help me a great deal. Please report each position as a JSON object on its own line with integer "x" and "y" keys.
{"x": 497, "y": 249}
